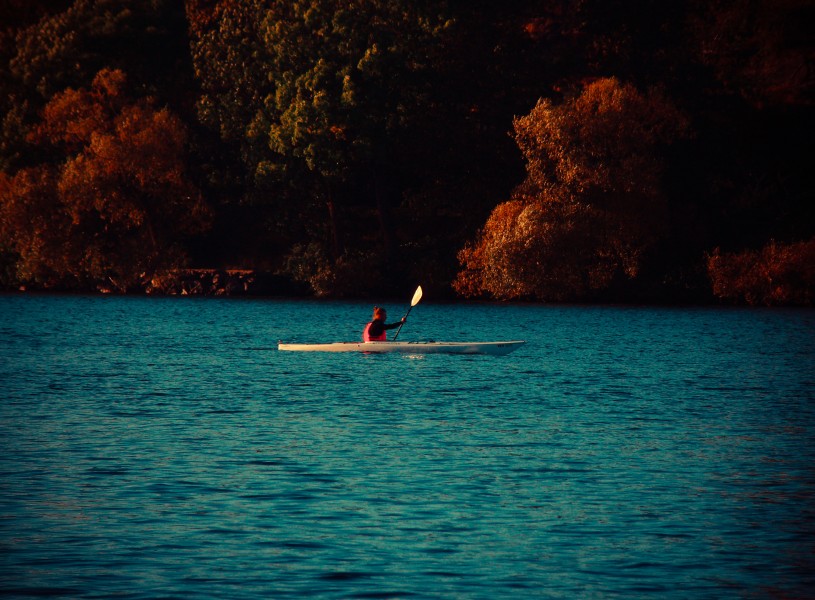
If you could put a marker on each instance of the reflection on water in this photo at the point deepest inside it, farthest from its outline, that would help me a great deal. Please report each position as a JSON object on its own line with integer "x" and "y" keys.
{"x": 164, "y": 448}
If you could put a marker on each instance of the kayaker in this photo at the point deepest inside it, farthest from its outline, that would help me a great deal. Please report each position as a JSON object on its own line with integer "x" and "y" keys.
{"x": 375, "y": 330}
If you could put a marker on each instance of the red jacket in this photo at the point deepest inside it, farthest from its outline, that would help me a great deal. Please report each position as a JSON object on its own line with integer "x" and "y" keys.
{"x": 375, "y": 331}
{"x": 367, "y": 337}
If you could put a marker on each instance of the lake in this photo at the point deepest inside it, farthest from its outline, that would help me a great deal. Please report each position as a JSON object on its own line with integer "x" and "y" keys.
{"x": 164, "y": 448}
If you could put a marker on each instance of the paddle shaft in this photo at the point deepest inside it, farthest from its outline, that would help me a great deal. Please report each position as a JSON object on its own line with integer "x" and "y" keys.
{"x": 417, "y": 295}
{"x": 402, "y": 323}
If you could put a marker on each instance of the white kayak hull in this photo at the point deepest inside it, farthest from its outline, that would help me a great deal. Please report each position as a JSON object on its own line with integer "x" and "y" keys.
{"x": 496, "y": 348}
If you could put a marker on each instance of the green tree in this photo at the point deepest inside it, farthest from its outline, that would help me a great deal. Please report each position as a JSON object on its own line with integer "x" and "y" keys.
{"x": 592, "y": 205}
{"x": 320, "y": 96}
{"x": 231, "y": 65}
{"x": 351, "y": 82}
{"x": 253, "y": 223}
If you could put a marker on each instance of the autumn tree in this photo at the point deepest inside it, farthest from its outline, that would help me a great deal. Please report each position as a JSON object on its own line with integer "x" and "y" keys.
{"x": 33, "y": 227}
{"x": 591, "y": 206}
{"x": 778, "y": 274}
{"x": 115, "y": 212}
{"x": 72, "y": 41}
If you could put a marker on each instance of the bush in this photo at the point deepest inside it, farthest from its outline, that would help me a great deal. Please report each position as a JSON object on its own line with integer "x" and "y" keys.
{"x": 778, "y": 274}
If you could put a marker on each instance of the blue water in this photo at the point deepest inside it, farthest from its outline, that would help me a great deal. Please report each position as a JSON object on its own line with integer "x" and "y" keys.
{"x": 163, "y": 448}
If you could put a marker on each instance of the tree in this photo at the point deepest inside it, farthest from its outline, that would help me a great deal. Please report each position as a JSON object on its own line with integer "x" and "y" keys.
{"x": 591, "y": 206}
{"x": 762, "y": 50}
{"x": 319, "y": 97}
{"x": 349, "y": 82}
{"x": 778, "y": 274}
{"x": 117, "y": 209}
{"x": 33, "y": 227}
{"x": 232, "y": 67}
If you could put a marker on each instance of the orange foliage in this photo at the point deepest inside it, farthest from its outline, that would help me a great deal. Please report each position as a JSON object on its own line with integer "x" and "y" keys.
{"x": 73, "y": 116}
{"x": 32, "y": 224}
{"x": 481, "y": 264}
{"x": 202, "y": 14}
{"x": 591, "y": 205}
{"x": 116, "y": 208}
{"x": 778, "y": 274}
{"x": 602, "y": 139}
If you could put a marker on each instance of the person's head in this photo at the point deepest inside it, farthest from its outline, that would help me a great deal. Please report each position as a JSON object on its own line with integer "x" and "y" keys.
{"x": 380, "y": 313}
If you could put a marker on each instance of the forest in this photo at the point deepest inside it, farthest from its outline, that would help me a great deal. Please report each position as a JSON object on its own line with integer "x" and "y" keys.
{"x": 531, "y": 150}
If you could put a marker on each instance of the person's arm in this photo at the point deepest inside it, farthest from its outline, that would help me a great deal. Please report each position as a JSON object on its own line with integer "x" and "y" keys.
{"x": 393, "y": 325}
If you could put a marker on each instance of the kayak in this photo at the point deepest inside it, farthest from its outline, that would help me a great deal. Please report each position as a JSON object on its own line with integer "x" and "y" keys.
{"x": 496, "y": 348}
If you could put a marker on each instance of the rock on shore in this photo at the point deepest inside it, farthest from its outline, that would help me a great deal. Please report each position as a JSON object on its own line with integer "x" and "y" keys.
{"x": 221, "y": 282}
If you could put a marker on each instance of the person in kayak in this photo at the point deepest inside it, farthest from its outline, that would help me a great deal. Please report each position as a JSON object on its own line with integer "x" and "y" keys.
{"x": 375, "y": 331}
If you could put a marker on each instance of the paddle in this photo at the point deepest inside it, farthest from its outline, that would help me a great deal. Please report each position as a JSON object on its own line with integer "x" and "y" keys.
{"x": 417, "y": 295}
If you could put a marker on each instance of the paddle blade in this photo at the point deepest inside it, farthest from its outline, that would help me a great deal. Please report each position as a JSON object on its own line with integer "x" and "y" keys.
{"x": 416, "y": 297}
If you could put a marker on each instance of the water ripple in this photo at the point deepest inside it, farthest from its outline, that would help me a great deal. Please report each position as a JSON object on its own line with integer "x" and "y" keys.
{"x": 163, "y": 448}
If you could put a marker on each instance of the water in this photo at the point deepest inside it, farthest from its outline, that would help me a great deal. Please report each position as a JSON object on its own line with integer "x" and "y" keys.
{"x": 163, "y": 448}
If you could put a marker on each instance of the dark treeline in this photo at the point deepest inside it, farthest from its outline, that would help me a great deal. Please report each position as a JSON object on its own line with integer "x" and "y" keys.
{"x": 555, "y": 150}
